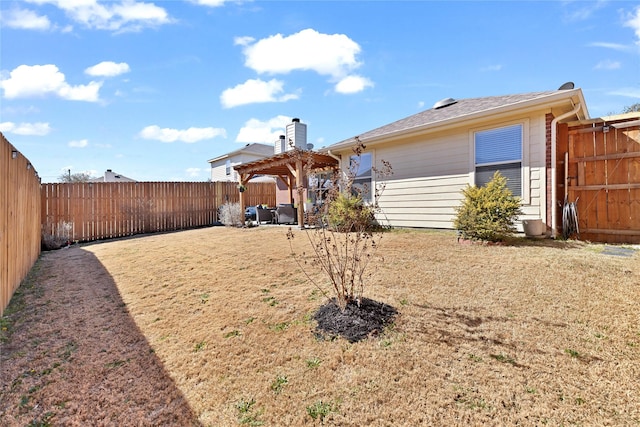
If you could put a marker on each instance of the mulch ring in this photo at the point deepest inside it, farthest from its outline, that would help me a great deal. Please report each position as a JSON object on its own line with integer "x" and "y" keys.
{"x": 356, "y": 322}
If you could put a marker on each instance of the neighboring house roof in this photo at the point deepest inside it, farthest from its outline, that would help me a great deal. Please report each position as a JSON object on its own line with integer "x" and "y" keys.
{"x": 110, "y": 176}
{"x": 463, "y": 110}
{"x": 255, "y": 149}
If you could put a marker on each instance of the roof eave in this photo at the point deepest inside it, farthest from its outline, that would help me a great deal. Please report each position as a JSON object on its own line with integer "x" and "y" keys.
{"x": 235, "y": 153}
{"x": 215, "y": 159}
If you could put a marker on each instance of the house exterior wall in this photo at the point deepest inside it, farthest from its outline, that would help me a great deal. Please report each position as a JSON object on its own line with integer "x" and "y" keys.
{"x": 218, "y": 168}
{"x": 431, "y": 170}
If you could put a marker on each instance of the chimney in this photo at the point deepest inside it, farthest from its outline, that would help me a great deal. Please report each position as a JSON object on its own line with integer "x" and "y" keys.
{"x": 296, "y": 135}
{"x": 280, "y": 146}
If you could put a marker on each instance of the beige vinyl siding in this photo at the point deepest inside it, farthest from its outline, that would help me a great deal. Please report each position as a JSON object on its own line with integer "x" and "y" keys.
{"x": 535, "y": 208}
{"x": 428, "y": 177}
{"x": 430, "y": 171}
{"x": 219, "y": 172}
{"x": 423, "y": 202}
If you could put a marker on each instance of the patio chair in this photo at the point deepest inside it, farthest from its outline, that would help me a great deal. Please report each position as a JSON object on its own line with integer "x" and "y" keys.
{"x": 286, "y": 214}
{"x": 264, "y": 215}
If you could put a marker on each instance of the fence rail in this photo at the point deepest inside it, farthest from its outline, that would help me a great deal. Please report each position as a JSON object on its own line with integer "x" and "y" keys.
{"x": 19, "y": 219}
{"x": 95, "y": 211}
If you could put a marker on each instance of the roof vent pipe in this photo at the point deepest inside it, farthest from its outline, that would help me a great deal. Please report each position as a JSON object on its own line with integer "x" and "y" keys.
{"x": 567, "y": 86}
{"x": 444, "y": 103}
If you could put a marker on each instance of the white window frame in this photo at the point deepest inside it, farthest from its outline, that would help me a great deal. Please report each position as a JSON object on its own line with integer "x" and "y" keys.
{"x": 525, "y": 176}
{"x": 227, "y": 167}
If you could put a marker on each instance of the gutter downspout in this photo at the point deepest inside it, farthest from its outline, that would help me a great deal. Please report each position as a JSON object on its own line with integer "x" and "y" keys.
{"x": 554, "y": 196}
{"x": 334, "y": 156}
{"x": 338, "y": 158}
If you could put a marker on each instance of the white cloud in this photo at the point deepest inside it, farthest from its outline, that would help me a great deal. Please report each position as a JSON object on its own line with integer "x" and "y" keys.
{"x": 187, "y": 135}
{"x": 193, "y": 172}
{"x": 210, "y": 3}
{"x": 108, "y": 69}
{"x": 333, "y": 55}
{"x": 24, "y": 19}
{"x": 584, "y": 10}
{"x": 629, "y": 92}
{"x": 126, "y": 15}
{"x": 326, "y": 54}
{"x": 78, "y": 143}
{"x": 243, "y": 41}
{"x": 633, "y": 21}
{"x": 613, "y": 46}
{"x": 353, "y": 84}
{"x": 254, "y": 91}
{"x": 269, "y": 131}
{"x": 39, "y": 80}
{"x": 33, "y": 129}
{"x": 607, "y": 64}
{"x": 20, "y": 110}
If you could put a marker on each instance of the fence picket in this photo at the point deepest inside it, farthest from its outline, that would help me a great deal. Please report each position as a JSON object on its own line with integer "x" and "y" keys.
{"x": 19, "y": 219}
{"x": 107, "y": 210}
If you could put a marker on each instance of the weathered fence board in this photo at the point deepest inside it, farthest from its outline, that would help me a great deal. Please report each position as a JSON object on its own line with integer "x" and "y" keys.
{"x": 604, "y": 178}
{"x": 95, "y": 211}
{"x": 19, "y": 219}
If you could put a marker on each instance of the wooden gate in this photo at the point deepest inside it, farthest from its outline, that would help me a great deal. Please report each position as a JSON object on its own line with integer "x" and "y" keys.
{"x": 602, "y": 173}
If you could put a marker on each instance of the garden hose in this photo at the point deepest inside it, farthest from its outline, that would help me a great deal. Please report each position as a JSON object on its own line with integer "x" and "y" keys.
{"x": 570, "y": 219}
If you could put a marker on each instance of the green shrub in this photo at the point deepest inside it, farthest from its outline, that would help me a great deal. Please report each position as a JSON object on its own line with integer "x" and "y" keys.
{"x": 347, "y": 213}
{"x": 488, "y": 212}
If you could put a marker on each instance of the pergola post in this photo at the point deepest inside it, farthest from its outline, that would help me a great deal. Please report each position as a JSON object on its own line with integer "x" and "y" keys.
{"x": 300, "y": 188}
{"x": 244, "y": 179}
{"x": 290, "y": 181}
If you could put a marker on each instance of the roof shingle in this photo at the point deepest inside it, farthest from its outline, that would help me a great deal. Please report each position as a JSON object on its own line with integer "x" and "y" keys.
{"x": 460, "y": 109}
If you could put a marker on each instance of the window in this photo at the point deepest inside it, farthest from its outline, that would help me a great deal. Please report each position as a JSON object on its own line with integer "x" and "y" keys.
{"x": 360, "y": 167}
{"x": 228, "y": 167}
{"x": 500, "y": 150}
{"x": 319, "y": 185}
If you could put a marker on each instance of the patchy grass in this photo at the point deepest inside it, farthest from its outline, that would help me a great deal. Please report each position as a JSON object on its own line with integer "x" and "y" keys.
{"x": 215, "y": 327}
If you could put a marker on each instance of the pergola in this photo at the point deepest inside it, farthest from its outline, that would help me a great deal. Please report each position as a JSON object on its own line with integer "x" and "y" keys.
{"x": 291, "y": 167}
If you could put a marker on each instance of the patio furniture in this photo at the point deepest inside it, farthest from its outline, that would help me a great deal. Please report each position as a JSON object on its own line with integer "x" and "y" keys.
{"x": 264, "y": 215}
{"x": 286, "y": 214}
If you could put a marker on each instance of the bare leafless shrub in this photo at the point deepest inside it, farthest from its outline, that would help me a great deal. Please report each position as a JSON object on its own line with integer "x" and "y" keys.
{"x": 230, "y": 214}
{"x": 348, "y": 234}
{"x": 56, "y": 236}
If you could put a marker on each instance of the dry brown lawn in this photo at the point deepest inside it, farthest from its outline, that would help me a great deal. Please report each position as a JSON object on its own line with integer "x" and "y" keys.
{"x": 213, "y": 327}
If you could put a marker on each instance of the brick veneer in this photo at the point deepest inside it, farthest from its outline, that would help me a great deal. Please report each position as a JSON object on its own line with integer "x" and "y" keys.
{"x": 548, "y": 119}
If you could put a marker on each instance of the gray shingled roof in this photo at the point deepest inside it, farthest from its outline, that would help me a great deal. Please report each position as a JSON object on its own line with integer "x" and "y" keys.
{"x": 264, "y": 149}
{"x": 255, "y": 148}
{"x": 461, "y": 109}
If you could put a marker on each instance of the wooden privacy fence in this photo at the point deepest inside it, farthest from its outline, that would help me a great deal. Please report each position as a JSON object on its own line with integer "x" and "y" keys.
{"x": 602, "y": 172}
{"x": 94, "y": 211}
{"x": 19, "y": 219}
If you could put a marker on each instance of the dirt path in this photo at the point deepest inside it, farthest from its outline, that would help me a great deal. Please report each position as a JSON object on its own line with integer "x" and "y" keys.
{"x": 77, "y": 358}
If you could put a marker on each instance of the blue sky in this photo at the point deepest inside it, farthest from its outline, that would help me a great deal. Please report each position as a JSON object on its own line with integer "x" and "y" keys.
{"x": 153, "y": 89}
